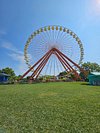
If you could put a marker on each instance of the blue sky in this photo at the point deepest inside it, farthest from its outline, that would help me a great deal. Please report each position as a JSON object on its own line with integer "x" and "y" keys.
{"x": 19, "y": 18}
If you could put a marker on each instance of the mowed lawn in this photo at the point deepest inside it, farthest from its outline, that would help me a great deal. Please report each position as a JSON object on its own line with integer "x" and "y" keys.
{"x": 64, "y": 107}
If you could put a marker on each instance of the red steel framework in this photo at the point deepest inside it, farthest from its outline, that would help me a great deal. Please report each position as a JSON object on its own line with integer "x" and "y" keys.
{"x": 64, "y": 60}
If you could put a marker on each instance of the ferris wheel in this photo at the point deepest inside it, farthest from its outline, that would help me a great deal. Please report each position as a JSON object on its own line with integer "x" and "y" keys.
{"x": 53, "y": 37}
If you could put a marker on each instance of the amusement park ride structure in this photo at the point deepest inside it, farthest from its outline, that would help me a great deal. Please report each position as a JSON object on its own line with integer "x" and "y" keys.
{"x": 53, "y": 42}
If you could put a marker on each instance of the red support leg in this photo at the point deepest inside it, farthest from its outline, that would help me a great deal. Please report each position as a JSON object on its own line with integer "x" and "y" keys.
{"x": 62, "y": 62}
{"x": 34, "y": 66}
{"x": 70, "y": 60}
{"x": 76, "y": 74}
{"x": 41, "y": 64}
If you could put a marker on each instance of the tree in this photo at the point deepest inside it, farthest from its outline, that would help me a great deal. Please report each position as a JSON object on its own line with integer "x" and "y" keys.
{"x": 10, "y": 72}
{"x": 17, "y": 77}
{"x": 92, "y": 67}
{"x": 62, "y": 73}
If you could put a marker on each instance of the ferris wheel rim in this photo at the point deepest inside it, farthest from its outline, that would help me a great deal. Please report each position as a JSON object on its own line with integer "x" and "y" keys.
{"x": 53, "y": 27}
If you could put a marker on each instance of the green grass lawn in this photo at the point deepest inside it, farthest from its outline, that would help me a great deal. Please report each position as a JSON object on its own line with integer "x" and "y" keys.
{"x": 50, "y": 108}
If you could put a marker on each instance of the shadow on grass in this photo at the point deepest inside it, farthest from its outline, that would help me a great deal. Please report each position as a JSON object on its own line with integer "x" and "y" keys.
{"x": 85, "y": 84}
{"x": 88, "y": 84}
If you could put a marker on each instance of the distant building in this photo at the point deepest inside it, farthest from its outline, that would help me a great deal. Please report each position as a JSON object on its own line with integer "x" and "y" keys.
{"x": 94, "y": 78}
{"x": 4, "y": 78}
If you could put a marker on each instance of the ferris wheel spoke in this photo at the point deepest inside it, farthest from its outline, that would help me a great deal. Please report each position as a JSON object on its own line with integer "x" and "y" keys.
{"x": 54, "y": 36}
{"x": 61, "y": 67}
{"x": 54, "y": 67}
{"x": 46, "y": 34}
{"x": 51, "y": 37}
{"x": 41, "y": 45}
{"x": 57, "y": 66}
{"x": 66, "y": 38}
{"x": 66, "y": 44}
{"x": 47, "y": 67}
{"x": 44, "y": 38}
{"x": 57, "y": 36}
{"x": 56, "y": 33}
{"x": 50, "y": 67}
{"x": 63, "y": 36}
{"x": 60, "y": 36}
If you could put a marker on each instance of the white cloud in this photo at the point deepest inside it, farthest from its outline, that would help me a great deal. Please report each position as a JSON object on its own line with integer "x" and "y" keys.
{"x": 95, "y": 8}
{"x": 22, "y": 67}
{"x": 10, "y": 47}
{"x": 16, "y": 55}
{"x": 2, "y": 32}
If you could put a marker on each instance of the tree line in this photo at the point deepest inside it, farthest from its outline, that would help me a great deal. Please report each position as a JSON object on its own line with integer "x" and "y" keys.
{"x": 9, "y": 71}
{"x": 91, "y": 67}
